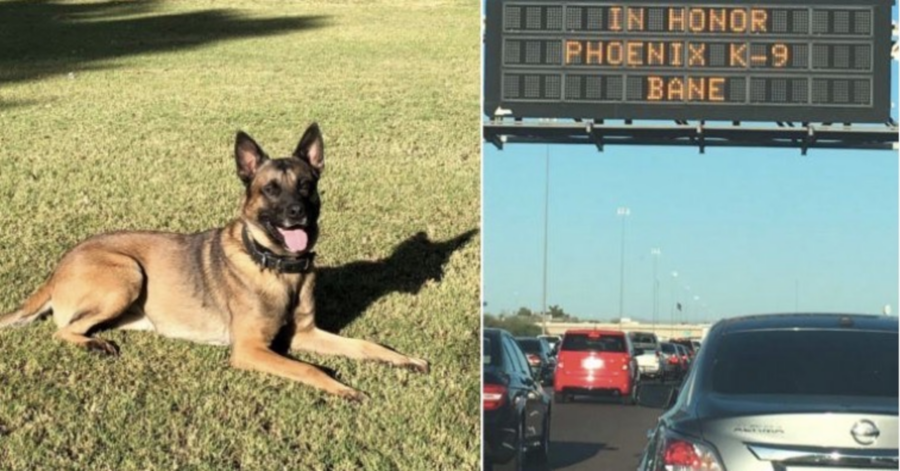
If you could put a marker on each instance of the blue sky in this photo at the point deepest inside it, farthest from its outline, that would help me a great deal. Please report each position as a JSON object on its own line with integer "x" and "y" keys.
{"x": 747, "y": 230}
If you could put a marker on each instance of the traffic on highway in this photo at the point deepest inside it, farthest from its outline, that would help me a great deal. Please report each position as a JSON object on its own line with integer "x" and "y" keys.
{"x": 780, "y": 392}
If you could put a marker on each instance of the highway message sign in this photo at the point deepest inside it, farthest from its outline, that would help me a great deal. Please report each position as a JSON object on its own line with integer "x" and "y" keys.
{"x": 818, "y": 61}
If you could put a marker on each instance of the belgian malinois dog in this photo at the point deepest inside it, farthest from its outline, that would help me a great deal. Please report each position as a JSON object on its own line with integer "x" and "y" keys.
{"x": 239, "y": 285}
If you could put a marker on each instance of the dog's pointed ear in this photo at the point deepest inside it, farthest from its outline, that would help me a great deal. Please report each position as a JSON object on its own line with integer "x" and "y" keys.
{"x": 248, "y": 155}
{"x": 311, "y": 149}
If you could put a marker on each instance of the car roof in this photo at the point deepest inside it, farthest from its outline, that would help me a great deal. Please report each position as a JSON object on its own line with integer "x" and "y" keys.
{"x": 594, "y": 331}
{"x": 808, "y": 321}
{"x": 492, "y": 332}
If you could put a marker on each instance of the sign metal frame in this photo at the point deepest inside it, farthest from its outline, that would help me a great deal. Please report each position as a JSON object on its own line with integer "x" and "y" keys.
{"x": 496, "y": 107}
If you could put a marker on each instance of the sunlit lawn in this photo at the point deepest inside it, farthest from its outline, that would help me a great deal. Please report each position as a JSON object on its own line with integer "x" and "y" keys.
{"x": 121, "y": 115}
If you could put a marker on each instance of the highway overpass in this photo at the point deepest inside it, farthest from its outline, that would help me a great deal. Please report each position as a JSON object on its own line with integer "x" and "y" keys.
{"x": 662, "y": 331}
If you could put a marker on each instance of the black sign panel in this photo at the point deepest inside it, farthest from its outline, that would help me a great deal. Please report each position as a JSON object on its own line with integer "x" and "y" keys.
{"x": 819, "y": 61}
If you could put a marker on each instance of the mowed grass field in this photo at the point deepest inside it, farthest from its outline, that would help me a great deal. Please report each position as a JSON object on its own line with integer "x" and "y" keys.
{"x": 121, "y": 115}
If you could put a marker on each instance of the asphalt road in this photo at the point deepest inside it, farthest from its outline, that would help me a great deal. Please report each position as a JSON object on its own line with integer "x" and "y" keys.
{"x": 598, "y": 434}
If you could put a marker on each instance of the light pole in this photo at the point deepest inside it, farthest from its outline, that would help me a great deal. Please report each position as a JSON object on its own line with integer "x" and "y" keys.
{"x": 622, "y": 212}
{"x": 674, "y": 302}
{"x": 695, "y": 305}
{"x": 656, "y": 253}
{"x": 546, "y": 224}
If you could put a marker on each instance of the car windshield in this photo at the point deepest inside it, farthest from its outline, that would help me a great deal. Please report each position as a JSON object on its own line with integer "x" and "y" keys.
{"x": 529, "y": 345}
{"x": 593, "y": 343}
{"x": 807, "y": 362}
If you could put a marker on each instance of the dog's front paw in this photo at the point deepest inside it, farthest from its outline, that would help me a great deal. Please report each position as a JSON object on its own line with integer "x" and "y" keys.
{"x": 103, "y": 347}
{"x": 418, "y": 365}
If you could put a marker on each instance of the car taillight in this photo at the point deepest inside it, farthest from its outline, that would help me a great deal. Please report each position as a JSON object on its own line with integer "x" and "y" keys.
{"x": 658, "y": 354}
{"x": 673, "y": 360}
{"x": 682, "y": 455}
{"x": 533, "y": 360}
{"x": 492, "y": 396}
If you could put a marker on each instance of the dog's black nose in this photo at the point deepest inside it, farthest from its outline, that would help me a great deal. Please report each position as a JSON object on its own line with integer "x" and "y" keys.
{"x": 295, "y": 211}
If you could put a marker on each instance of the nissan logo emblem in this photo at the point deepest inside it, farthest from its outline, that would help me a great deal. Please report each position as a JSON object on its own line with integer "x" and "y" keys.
{"x": 865, "y": 432}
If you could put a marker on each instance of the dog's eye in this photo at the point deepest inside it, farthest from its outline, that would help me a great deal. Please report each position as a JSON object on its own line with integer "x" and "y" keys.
{"x": 305, "y": 189}
{"x": 272, "y": 190}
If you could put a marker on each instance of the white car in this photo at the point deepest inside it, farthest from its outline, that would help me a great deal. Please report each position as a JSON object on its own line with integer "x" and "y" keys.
{"x": 649, "y": 364}
{"x": 647, "y": 354}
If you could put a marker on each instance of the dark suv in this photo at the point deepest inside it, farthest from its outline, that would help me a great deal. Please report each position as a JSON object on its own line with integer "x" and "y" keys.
{"x": 516, "y": 409}
{"x": 785, "y": 392}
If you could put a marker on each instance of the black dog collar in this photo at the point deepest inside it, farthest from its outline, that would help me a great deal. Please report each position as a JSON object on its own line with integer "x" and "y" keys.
{"x": 267, "y": 259}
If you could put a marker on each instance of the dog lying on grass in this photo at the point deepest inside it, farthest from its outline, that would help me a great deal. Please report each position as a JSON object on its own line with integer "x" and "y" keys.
{"x": 239, "y": 285}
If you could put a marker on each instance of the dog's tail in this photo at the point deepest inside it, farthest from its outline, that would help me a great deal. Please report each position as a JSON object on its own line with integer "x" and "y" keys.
{"x": 32, "y": 309}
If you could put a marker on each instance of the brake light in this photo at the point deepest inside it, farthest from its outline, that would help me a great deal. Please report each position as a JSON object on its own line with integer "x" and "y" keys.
{"x": 493, "y": 396}
{"x": 682, "y": 455}
{"x": 533, "y": 359}
{"x": 673, "y": 360}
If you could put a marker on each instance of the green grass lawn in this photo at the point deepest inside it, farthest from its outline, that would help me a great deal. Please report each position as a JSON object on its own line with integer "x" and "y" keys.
{"x": 122, "y": 115}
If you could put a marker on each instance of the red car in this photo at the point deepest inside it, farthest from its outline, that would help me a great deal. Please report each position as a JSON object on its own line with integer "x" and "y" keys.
{"x": 594, "y": 362}
{"x": 685, "y": 356}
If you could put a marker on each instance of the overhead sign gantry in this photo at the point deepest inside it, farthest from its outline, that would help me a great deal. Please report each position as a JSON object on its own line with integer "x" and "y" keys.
{"x": 736, "y": 61}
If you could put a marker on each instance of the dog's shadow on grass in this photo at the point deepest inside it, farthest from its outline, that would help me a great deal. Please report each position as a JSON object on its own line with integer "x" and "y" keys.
{"x": 345, "y": 292}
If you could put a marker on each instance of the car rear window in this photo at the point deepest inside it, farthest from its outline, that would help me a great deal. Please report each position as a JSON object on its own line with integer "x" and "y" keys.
{"x": 590, "y": 343}
{"x": 668, "y": 348}
{"x": 805, "y": 362}
{"x": 488, "y": 356}
{"x": 529, "y": 345}
{"x": 643, "y": 338}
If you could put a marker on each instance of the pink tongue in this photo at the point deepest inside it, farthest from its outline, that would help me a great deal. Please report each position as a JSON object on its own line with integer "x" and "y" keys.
{"x": 294, "y": 239}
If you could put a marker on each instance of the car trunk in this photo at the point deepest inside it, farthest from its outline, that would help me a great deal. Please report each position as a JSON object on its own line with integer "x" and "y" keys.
{"x": 595, "y": 364}
{"x": 648, "y": 359}
{"x": 781, "y": 433}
